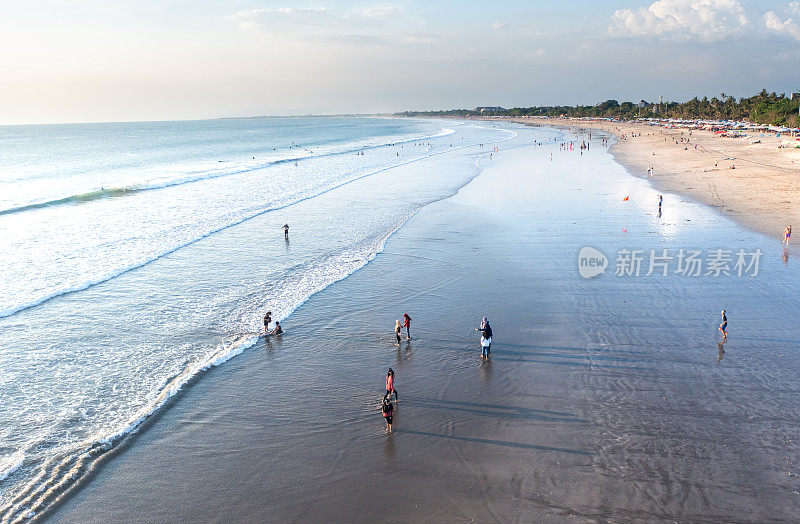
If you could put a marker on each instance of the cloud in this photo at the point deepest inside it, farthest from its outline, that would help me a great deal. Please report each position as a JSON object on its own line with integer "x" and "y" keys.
{"x": 499, "y": 25}
{"x": 377, "y": 13}
{"x": 704, "y": 20}
{"x": 310, "y": 19}
{"x": 782, "y": 27}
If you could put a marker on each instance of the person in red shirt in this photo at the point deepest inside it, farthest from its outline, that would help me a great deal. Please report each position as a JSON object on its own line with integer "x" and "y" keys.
{"x": 390, "y": 385}
{"x": 407, "y": 325}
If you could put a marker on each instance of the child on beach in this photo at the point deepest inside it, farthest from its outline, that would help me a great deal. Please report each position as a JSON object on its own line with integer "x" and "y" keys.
{"x": 390, "y": 385}
{"x": 786, "y": 234}
{"x": 397, "y": 329}
{"x": 407, "y": 324}
{"x": 387, "y": 409}
{"x": 724, "y": 325}
{"x": 267, "y": 320}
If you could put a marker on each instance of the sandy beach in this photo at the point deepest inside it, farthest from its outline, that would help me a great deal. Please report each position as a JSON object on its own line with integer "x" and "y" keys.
{"x": 762, "y": 192}
{"x": 610, "y": 398}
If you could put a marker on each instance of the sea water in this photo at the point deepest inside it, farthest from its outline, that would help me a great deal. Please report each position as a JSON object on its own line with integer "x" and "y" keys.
{"x": 136, "y": 255}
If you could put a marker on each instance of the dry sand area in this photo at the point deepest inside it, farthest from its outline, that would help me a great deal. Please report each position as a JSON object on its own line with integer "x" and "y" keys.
{"x": 756, "y": 184}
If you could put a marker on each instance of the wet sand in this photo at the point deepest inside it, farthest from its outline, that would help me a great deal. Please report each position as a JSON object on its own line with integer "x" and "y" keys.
{"x": 762, "y": 192}
{"x": 607, "y": 398}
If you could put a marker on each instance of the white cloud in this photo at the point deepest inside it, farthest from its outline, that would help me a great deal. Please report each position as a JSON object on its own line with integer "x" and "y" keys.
{"x": 705, "y": 20}
{"x": 377, "y": 13}
{"x": 315, "y": 19}
{"x": 794, "y": 7}
{"x": 785, "y": 27}
{"x": 499, "y": 25}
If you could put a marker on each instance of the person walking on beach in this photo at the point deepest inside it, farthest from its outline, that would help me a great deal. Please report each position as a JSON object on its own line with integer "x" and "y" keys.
{"x": 387, "y": 409}
{"x": 286, "y": 231}
{"x": 267, "y": 320}
{"x": 397, "y": 329}
{"x": 390, "y": 385}
{"x": 486, "y": 338}
{"x": 786, "y": 234}
{"x": 724, "y": 325}
{"x": 407, "y": 325}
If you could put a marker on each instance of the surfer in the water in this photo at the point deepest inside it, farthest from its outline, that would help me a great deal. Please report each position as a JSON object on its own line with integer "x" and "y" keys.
{"x": 286, "y": 231}
{"x": 267, "y": 320}
{"x": 277, "y": 330}
{"x": 390, "y": 385}
{"x": 724, "y": 325}
{"x": 486, "y": 338}
{"x": 387, "y": 409}
{"x": 407, "y": 324}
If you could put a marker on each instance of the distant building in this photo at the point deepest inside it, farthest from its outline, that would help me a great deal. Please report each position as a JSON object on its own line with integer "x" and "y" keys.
{"x": 489, "y": 110}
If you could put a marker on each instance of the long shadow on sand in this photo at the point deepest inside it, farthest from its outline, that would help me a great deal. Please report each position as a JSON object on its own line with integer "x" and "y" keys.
{"x": 494, "y": 410}
{"x": 505, "y": 443}
{"x": 592, "y": 364}
{"x": 469, "y": 345}
{"x": 500, "y": 353}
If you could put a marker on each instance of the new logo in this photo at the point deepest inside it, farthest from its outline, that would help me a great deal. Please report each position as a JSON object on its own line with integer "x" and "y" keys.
{"x": 591, "y": 262}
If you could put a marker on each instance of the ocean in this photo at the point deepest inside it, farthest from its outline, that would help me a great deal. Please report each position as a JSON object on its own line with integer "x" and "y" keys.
{"x": 137, "y": 255}
{"x": 611, "y": 397}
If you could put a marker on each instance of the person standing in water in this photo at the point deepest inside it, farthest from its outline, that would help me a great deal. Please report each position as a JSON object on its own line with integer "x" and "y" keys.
{"x": 390, "y": 385}
{"x": 786, "y": 234}
{"x": 486, "y": 338}
{"x": 397, "y": 329}
{"x": 407, "y": 325}
{"x": 286, "y": 231}
{"x": 724, "y": 325}
{"x": 387, "y": 409}
{"x": 267, "y": 320}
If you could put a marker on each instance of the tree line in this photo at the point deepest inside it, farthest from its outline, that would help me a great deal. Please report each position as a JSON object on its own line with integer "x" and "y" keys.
{"x": 763, "y": 108}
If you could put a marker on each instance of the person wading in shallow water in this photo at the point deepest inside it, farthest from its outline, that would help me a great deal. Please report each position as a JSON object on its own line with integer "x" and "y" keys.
{"x": 486, "y": 338}
{"x": 286, "y": 231}
{"x": 724, "y": 325}
{"x": 267, "y": 320}
{"x": 407, "y": 324}
{"x": 278, "y": 330}
{"x": 397, "y": 329}
{"x": 390, "y": 385}
{"x": 387, "y": 409}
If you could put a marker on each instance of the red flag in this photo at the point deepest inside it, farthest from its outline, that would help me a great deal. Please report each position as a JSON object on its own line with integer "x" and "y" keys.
{"x": 626, "y": 198}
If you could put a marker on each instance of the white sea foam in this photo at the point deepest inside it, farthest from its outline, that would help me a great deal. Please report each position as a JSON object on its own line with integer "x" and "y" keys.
{"x": 59, "y": 473}
{"x": 178, "y": 175}
{"x": 10, "y": 464}
{"x": 9, "y": 308}
{"x": 46, "y": 476}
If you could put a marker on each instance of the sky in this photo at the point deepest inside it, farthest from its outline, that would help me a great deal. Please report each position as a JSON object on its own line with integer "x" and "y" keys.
{"x": 132, "y": 60}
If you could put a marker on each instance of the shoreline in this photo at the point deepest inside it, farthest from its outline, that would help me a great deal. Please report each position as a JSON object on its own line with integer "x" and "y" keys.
{"x": 584, "y": 412}
{"x": 762, "y": 193}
